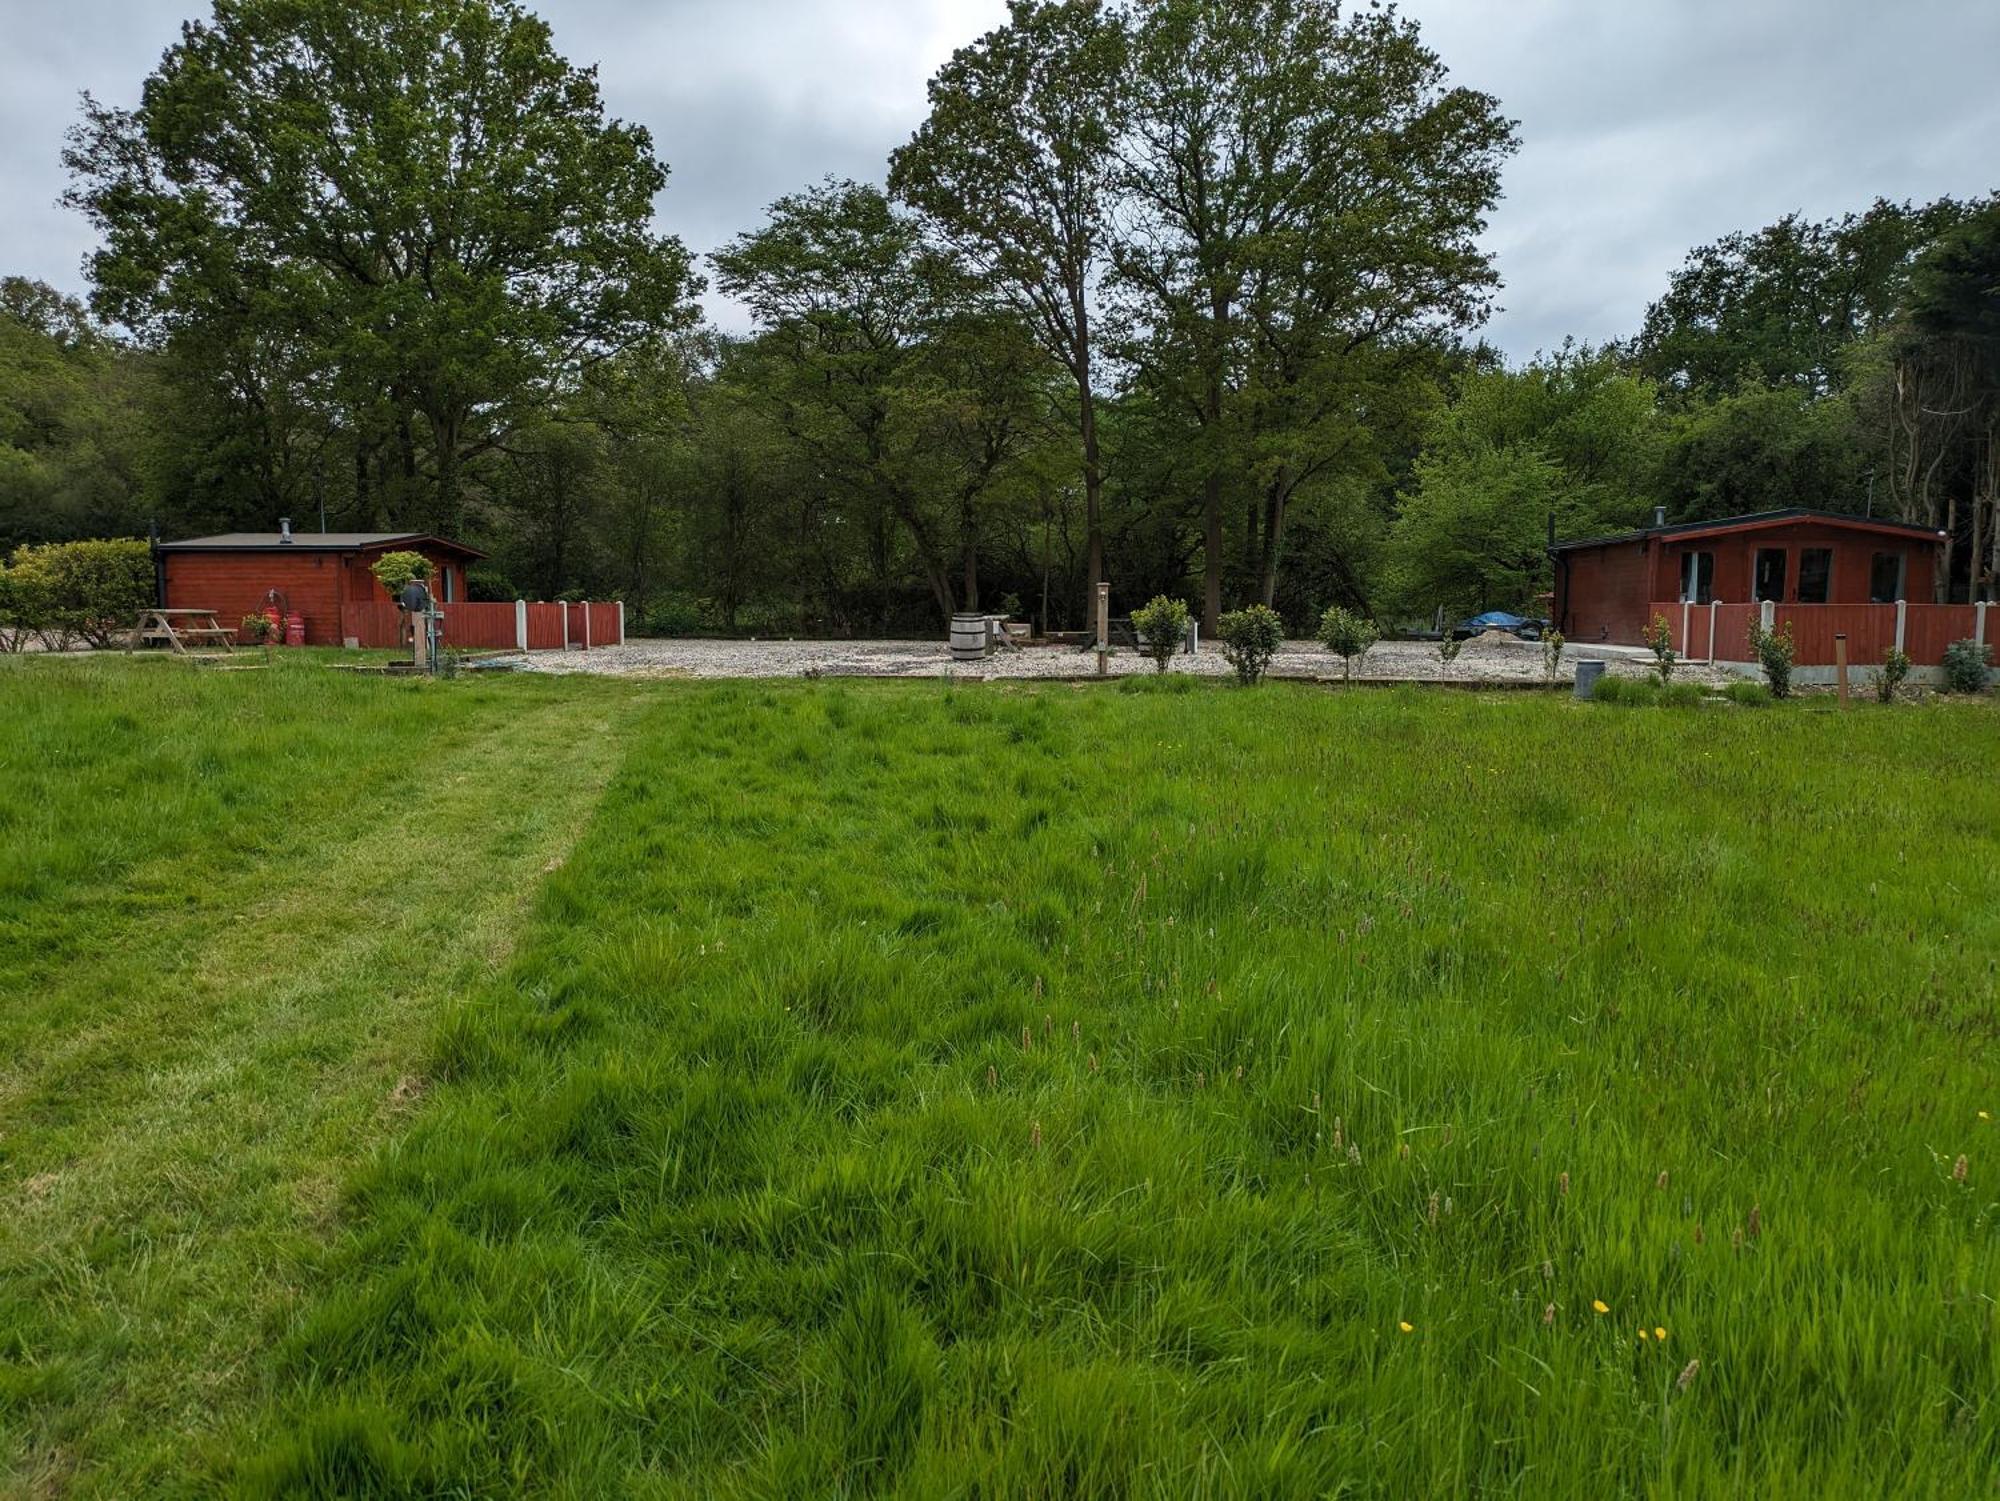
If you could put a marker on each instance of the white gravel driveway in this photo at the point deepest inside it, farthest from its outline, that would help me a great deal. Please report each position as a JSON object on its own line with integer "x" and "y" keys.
{"x": 1489, "y": 659}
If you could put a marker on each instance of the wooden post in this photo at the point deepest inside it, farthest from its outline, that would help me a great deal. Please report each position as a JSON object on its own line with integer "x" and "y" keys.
{"x": 586, "y": 625}
{"x": 564, "y": 607}
{"x": 1840, "y": 665}
{"x": 1103, "y": 629}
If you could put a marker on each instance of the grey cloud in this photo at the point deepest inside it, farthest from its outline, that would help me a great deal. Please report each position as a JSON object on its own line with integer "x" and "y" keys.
{"x": 1647, "y": 128}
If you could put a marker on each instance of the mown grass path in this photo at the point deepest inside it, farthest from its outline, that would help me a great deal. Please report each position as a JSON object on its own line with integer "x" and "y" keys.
{"x": 232, "y": 910}
{"x": 1058, "y": 1092}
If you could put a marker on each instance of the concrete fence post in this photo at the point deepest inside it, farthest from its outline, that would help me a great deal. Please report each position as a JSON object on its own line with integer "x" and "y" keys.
{"x": 1768, "y": 615}
{"x": 1902, "y": 623}
{"x": 621, "y": 622}
{"x": 521, "y": 625}
{"x": 1687, "y": 629}
{"x": 1979, "y": 622}
{"x": 586, "y": 625}
{"x": 1714, "y": 618}
{"x": 563, "y": 605}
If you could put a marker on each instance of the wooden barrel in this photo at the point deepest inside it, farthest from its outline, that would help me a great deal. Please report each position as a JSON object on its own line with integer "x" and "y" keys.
{"x": 968, "y": 638}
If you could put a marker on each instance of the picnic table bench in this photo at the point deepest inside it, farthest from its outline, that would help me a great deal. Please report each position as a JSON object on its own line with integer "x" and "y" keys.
{"x": 177, "y": 628}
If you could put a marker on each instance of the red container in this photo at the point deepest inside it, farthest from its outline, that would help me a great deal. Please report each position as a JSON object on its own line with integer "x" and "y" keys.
{"x": 295, "y": 630}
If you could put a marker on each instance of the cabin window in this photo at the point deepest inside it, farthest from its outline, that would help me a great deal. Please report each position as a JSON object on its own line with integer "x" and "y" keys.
{"x": 1815, "y": 575}
{"x": 1887, "y": 578}
{"x": 1770, "y": 577}
{"x": 1698, "y": 578}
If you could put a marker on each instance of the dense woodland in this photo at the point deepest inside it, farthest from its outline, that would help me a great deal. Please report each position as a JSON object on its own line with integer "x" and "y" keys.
{"x": 1185, "y": 291}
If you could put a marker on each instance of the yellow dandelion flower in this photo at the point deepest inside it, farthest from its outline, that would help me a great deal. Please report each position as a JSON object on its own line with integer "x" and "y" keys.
{"x": 1407, "y": 1327}
{"x": 1660, "y": 1335}
{"x": 1986, "y": 1115}
{"x": 1600, "y": 1305}
{"x": 1642, "y": 1334}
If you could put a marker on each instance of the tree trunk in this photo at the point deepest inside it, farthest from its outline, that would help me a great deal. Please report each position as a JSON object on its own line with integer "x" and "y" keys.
{"x": 1212, "y": 484}
{"x": 968, "y": 528}
{"x": 1274, "y": 539}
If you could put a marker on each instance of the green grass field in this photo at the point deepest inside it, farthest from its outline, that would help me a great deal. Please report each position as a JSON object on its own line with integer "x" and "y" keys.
{"x": 581, "y": 1089}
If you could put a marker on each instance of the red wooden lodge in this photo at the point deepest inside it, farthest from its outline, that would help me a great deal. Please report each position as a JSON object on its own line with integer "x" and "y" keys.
{"x": 1822, "y": 573}
{"x": 327, "y": 579}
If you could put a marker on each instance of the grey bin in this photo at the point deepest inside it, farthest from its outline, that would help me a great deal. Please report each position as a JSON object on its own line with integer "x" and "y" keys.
{"x": 1587, "y": 674}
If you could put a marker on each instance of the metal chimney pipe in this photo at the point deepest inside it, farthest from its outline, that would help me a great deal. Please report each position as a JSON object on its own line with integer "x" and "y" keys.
{"x": 284, "y": 529}
{"x": 1659, "y": 515}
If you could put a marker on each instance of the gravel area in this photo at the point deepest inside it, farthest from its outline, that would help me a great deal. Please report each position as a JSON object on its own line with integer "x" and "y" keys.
{"x": 1489, "y": 659}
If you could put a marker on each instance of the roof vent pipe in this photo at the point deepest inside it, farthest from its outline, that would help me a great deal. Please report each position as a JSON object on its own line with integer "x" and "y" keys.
{"x": 285, "y": 529}
{"x": 1659, "y": 515}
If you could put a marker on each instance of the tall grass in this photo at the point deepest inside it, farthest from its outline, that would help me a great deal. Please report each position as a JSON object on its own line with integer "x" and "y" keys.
{"x": 914, "y": 1092}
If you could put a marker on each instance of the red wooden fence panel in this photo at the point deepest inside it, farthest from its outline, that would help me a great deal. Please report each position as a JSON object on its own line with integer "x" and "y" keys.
{"x": 479, "y": 626}
{"x": 1932, "y": 628}
{"x": 1870, "y": 632}
{"x": 1732, "y": 632}
{"x": 372, "y": 624}
{"x": 603, "y": 624}
{"x": 545, "y": 627}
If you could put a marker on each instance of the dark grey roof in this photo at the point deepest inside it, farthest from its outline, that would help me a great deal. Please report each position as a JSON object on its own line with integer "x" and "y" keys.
{"x": 309, "y": 542}
{"x": 1756, "y": 518}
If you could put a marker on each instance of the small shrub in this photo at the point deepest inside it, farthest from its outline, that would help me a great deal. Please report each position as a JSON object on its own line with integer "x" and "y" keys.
{"x": 1895, "y": 668}
{"x": 1681, "y": 696}
{"x": 1162, "y": 629}
{"x": 1775, "y": 651}
{"x": 487, "y": 585}
{"x": 1348, "y": 636}
{"x": 1631, "y": 692}
{"x": 1250, "y": 639}
{"x": 1750, "y": 695}
{"x": 1968, "y": 667}
{"x": 1552, "y": 654}
{"x": 395, "y": 569}
{"x": 1660, "y": 641}
{"x": 262, "y": 630}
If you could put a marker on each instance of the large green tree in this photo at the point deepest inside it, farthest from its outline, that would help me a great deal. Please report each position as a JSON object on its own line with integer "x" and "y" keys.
{"x": 1015, "y": 170}
{"x": 411, "y": 214}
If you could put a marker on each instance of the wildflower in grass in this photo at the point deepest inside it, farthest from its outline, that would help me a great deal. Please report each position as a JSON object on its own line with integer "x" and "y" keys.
{"x": 1027, "y": 1039}
{"x": 1986, "y": 1115}
{"x": 1958, "y": 1169}
{"x": 1093, "y": 1063}
{"x": 1562, "y": 1183}
{"x": 1548, "y": 1315}
{"x": 1035, "y": 1137}
{"x": 1548, "y": 1271}
{"x": 1354, "y": 1153}
{"x": 1660, "y": 1335}
{"x": 1403, "y": 1151}
{"x": 1688, "y": 1373}
{"x": 1600, "y": 1307}
{"x": 1338, "y": 1128}
{"x": 1661, "y": 1185}
{"x": 1642, "y": 1334}
{"x": 1434, "y": 1209}
{"x": 1076, "y": 1031}
{"x": 992, "y": 1077}
{"x": 1756, "y": 1225}
{"x": 1407, "y": 1327}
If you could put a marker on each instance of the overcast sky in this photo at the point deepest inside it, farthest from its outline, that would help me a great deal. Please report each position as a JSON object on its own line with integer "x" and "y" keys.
{"x": 1648, "y": 126}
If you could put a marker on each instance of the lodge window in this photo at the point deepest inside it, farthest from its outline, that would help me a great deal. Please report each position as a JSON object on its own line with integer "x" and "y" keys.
{"x": 1815, "y": 575}
{"x": 1887, "y": 578}
{"x": 1698, "y": 578}
{"x": 1770, "y": 577}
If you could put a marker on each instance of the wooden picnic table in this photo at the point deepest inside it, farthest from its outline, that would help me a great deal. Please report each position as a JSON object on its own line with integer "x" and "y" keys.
{"x": 177, "y": 628}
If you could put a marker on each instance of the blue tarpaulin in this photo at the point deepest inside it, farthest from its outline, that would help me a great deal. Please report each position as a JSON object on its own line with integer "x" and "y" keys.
{"x": 1496, "y": 620}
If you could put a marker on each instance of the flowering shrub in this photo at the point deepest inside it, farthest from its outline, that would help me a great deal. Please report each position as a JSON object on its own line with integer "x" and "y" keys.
{"x": 1775, "y": 651}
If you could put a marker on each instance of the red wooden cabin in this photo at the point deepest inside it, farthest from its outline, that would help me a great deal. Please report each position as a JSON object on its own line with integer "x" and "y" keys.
{"x": 319, "y": 575}
{"x": 1606, "y": 587}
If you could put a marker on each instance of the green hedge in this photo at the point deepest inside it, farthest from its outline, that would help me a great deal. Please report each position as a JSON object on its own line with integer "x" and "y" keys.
{"x": 62, "y": 593}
